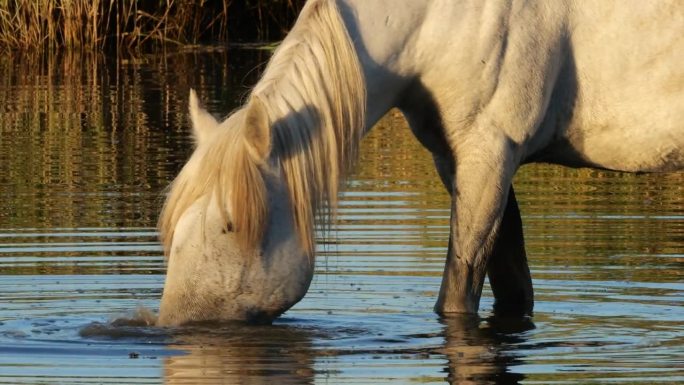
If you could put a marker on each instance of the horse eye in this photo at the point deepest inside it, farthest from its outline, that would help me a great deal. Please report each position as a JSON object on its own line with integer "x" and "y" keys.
{"x": 228, "y": 228}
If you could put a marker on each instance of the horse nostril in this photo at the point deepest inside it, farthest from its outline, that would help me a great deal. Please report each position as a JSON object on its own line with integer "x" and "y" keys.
{"x": 228, "y": 228}
{"x": 260, "y": 317}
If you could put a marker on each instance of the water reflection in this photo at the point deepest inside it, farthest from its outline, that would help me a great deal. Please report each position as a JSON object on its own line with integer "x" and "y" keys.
{"x": 92, "y": 142}
{"x": 478, "y": 351}
{"x": 242, "y": 354}
{"x": 88, "y": 144}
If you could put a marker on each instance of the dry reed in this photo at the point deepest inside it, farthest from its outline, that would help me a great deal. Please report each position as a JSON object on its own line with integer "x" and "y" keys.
{"x": 127, "y": 25}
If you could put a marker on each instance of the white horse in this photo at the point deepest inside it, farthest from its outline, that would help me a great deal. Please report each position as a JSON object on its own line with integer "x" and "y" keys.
{"x": 486, "y": 86}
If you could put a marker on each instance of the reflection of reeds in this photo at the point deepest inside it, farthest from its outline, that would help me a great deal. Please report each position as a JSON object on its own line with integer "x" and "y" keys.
{"x": 79, "y": 134}
{"x": 136, "y": 24}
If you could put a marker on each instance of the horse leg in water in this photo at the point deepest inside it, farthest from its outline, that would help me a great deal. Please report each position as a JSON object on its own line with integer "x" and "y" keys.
{"x": 509, "y": 274}
{"x": 484, "y": 168}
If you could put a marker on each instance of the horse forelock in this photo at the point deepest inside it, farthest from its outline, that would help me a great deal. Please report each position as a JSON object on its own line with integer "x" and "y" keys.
{"x": 224, "y": 170}
{"x": 314, "y": 92}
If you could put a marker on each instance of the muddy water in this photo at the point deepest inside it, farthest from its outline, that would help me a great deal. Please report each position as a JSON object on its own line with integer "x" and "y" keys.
{"x": 87, "y": 145}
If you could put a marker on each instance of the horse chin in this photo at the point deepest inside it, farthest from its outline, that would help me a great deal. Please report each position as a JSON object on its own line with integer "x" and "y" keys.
{"x": 178, "y": 309}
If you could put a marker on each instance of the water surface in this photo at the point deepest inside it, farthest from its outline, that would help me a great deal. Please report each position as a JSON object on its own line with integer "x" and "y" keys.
{"x": 88, "y": 145}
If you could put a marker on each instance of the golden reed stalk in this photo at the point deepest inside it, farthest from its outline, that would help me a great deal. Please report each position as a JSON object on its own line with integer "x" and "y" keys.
{"x": 136, "y": 24}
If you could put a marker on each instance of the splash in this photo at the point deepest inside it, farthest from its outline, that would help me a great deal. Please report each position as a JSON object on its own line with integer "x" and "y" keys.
{"x": 142, "y": 316}
{"x": 139, "y": 324}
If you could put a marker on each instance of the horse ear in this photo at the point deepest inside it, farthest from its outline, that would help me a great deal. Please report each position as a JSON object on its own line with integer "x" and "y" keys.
{"x": 258, "y": 128}
{"x": 203, "y": 124}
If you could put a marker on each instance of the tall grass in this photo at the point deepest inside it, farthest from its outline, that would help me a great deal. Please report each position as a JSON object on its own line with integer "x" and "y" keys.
{"x": 138, "y": 24}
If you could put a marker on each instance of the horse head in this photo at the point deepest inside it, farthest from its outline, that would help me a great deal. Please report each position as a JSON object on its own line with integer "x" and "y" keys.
{"x": 228, "y": 227}
{"x": 239, "y": 221}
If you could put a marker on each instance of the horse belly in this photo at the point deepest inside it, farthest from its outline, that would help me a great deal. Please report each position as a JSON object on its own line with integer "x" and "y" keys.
{"x": 627, "y": 107}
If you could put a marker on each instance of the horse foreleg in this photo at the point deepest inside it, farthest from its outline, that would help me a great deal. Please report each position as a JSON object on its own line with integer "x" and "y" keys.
{"x": 509, "y": 274}
{"x": 483, "y": 174}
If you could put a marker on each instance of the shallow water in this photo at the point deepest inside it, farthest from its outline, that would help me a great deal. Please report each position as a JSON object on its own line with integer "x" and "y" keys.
{"x": 88, "y": 145}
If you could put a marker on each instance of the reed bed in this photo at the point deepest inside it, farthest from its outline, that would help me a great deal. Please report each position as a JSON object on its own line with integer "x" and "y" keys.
{"x": 134, "y": 25}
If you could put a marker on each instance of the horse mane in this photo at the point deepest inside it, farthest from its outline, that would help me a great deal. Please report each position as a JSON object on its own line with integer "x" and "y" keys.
{"x": 313, "y": 95}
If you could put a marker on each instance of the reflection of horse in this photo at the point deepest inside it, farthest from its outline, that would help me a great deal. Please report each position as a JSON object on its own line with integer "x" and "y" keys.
{"x": 486, "y": 86}
{"x": 476, "y": 350}
{"x": 237, "y": 354}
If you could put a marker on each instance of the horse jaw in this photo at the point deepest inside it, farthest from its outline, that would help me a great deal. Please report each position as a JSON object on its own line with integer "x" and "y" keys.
{"x": 210, "y": 278}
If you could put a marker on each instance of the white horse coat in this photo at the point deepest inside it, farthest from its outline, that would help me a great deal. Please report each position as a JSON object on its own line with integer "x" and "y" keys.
{"x": 486, "y": 86}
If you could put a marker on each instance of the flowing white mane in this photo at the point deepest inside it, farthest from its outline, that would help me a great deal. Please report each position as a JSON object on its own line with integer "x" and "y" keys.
{"x": 313, "y": 94}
